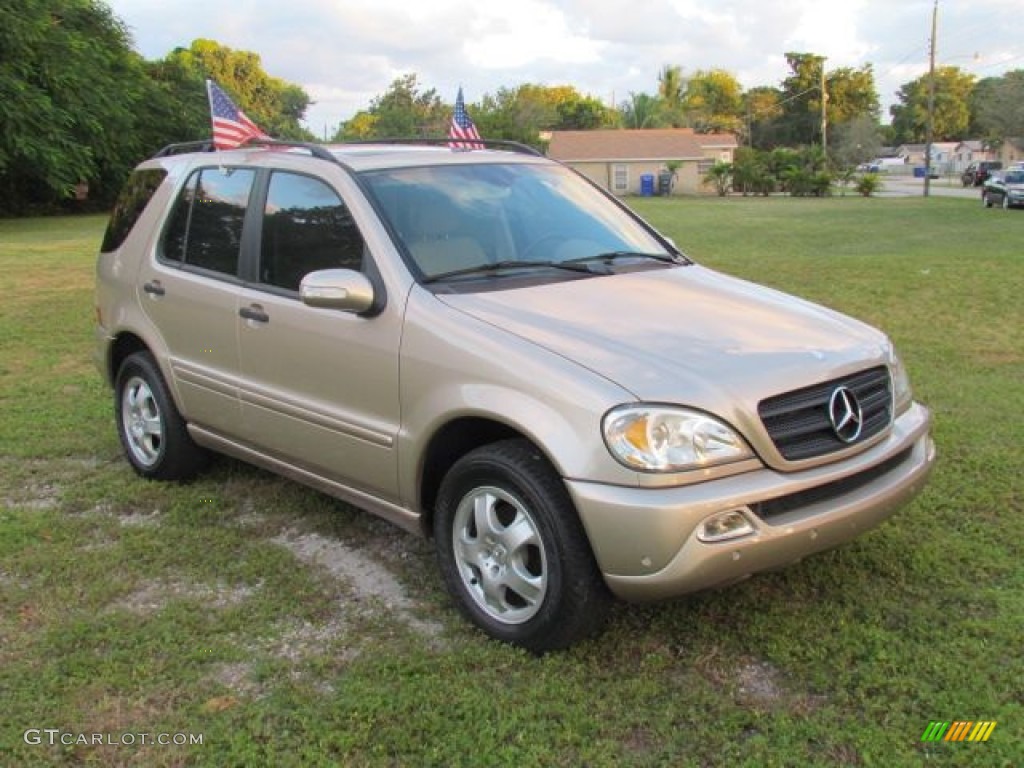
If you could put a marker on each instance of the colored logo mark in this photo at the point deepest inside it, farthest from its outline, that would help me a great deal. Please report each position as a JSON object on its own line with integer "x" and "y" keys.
{"x": 959, "y": 730}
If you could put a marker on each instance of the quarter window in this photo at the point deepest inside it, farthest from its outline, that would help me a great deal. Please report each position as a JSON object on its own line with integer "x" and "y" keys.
{"x": 129, "y": 207}
{"x": 306, "y": 227}
{"x": 205, "y": 227}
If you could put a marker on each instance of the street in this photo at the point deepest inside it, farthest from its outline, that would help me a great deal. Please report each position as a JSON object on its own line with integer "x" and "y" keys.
{"x": 908, "y": 186}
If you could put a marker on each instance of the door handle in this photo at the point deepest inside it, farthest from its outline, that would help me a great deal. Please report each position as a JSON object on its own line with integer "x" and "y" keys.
{"x": 254, "y": 312}
{"x": 154, "y": 288}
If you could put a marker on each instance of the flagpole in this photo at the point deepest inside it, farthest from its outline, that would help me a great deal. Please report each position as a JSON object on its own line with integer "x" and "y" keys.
{"x": 209, "y": 100}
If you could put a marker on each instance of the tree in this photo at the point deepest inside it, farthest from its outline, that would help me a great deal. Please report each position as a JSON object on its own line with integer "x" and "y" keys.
{"x": 868, "y": 184}
{"x": 851, "y": 94}
{"x": 997, "y": 107}
{"x": 750, "y": 172}
{"x": 641, "y": 110}
{"x": 763, "y": 111}
{"x": 671, "y": 87}
{"x": 274, "y": 104}
{"x": 801, "y": 99}
{"x": 179, "y": 108}
{"x": 854, "y": 142}
{"x": 523, "y": 112}
{"x": 719, "y": 175}
{"x": 951, "y": 115}
{"x": 712, "y": 102}
{"x": 71, "y": 95}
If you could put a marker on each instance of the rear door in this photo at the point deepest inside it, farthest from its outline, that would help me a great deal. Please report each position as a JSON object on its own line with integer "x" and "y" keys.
{"x": 189, "y": 290}
{"x": 320, "y": 386}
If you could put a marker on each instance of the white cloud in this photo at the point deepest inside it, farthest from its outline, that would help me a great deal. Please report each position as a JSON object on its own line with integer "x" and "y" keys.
{"x": 345, "y": 52}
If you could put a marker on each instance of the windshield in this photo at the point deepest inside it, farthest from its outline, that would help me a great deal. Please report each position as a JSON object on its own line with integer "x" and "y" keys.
{"x": 454, "y": 218}
{"x": 1014, "y": 177}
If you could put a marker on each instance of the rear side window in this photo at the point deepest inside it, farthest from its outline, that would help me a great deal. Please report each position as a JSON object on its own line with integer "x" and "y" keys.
{"x": 205, "y": 226}
{"x": 130, "y": 204}
{"x": 306, "y": 227}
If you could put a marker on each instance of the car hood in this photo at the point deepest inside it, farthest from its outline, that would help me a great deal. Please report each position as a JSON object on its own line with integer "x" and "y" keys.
{"x": 684, "y": 334}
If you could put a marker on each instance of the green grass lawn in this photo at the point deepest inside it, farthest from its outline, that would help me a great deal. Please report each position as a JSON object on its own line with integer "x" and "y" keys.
{"x": 285, "y": 628}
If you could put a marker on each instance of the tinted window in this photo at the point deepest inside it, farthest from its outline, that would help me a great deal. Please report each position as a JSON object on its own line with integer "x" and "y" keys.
{"x": 306, "y": 227}
{"x": 130, "y": 204}
{"x": 205, "y": 227}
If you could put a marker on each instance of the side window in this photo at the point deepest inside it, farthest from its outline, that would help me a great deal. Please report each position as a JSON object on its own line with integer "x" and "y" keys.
{"x": 205, "y": 226}
{"x": 130, "y": 204}
{"x": 306, "y": 227}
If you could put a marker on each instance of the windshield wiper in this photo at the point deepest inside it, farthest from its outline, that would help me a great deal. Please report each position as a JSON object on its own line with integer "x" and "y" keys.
{"x": 610, "y": 256}
{"x": 498, "y": 266}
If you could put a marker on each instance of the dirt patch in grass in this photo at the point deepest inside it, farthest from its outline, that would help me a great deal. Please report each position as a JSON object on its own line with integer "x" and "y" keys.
{"x": 155, "y": 595}
{"x": 369, "y": 581}
{"x": 758, "y": 682}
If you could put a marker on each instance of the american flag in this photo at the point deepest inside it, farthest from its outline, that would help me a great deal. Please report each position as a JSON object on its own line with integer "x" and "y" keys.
{"x": 462, "y": 127}
{"x": 231, "y": 128}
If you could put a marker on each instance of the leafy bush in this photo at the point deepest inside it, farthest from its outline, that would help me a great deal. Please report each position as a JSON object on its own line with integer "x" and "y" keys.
{"x": 868, "y": 184}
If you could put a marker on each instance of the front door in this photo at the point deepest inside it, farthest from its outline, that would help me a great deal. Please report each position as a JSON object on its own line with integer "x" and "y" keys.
{"x": 319, "y": 387}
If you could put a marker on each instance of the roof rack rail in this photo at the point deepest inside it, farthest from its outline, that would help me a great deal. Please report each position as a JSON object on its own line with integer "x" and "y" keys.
{"x": 316, "y": 150}
{"x": 320, "y": 151}
{"x": 515, "y": 146}
{"x": 185, "y": 146}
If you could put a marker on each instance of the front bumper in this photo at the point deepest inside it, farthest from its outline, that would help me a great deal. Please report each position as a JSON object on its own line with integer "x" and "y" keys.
{"x": 645, "y": 540}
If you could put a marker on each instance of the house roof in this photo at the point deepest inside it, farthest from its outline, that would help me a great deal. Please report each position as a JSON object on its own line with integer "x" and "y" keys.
{"x": 936, "y": 145}
{"x": 636, "y": 144}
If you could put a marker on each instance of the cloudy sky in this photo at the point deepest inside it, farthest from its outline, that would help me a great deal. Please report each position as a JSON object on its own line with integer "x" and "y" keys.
{"x": 345, "y": 52}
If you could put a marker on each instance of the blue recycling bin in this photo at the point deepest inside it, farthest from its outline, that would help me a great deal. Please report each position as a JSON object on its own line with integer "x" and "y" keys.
{"x": 647, "y": 184}
{"x": 918, "y": 172}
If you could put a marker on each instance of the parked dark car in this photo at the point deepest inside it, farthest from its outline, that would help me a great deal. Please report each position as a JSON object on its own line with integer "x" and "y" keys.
{"x": 977, "y": 174}
{"x": 1005, "y": 189}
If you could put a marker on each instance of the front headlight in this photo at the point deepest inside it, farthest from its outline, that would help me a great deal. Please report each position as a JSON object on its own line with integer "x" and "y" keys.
{"x": 902, "y": 396}
{"x": 659, "y": 438}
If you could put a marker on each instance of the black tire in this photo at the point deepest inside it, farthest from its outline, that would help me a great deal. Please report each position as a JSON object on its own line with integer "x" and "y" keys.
{"x": 546, "y": 591}
{"x": 152, "y": 432}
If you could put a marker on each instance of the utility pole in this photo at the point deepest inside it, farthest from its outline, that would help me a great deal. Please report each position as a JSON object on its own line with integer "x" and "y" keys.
{"x": 931, "y": 104}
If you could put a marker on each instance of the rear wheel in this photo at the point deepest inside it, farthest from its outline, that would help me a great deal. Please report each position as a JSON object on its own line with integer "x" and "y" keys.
{"x": 513, "y": 552}
{"x": 152, "y": 431}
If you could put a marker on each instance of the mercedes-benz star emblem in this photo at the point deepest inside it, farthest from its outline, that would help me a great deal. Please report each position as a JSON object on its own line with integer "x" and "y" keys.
{"x": 845, "y": 414}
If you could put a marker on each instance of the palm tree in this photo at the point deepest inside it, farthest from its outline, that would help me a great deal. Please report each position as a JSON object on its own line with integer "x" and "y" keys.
{"x": 719, "y": 174}
{"x": 641, "y": 110}
{"x": 670, "y": 88}
{"x": 670, "y": 85}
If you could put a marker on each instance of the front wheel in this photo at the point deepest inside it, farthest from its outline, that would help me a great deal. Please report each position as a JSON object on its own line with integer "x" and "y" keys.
{"x": 152, "y": 432}
{"x": 513, "y": 552}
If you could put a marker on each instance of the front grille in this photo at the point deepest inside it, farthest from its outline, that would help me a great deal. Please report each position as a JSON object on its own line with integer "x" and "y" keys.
{"x": 766, "y": 510}
{"x": 798, "y": 422}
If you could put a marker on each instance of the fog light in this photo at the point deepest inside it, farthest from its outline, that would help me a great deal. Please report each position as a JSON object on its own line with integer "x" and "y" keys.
{"x": 725, "y": 525}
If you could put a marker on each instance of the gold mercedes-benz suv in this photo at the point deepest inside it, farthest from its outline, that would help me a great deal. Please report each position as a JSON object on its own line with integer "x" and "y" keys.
{"x": 484, "y": 347}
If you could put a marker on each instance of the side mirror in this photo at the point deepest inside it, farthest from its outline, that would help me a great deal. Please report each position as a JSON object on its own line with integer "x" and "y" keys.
{"x": 343, "y": 289}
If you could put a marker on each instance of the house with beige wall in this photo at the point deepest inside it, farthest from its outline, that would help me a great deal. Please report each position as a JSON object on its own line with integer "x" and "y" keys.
{"x": 1011, "y": 151}
{"x": 972, "y": 151}
{"x": 619, "y": 159}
